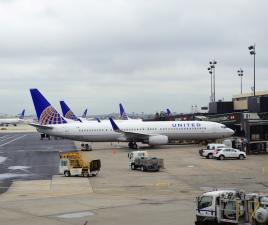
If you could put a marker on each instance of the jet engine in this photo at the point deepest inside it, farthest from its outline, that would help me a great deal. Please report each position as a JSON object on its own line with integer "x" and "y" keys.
{"x": 158, "y": 140}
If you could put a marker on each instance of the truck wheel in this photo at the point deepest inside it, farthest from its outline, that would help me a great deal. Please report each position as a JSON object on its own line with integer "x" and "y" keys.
{"x": 86, "y": 174}
{"x": 133, "y": 167}
{"x": 67, "y": 173}
{"x": 221, "y": 157}
{"x": 241, "y": 157}
{"x": 210, "y": 156}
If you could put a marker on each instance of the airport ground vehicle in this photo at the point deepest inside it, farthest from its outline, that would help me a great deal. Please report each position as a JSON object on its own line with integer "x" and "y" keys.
{"x": 141, "y": 160}
{"x": 232, "y": 207}
{"x": 78, "y": 163}
{"x": 208, "y": 152}
{"x": 44, "y": 136}
{"x": 146, "y": 164}
{"x": 224, "y": 153}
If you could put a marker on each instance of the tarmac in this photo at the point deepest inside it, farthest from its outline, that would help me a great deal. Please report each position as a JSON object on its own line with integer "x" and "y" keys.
{"x": 33, "y": 192}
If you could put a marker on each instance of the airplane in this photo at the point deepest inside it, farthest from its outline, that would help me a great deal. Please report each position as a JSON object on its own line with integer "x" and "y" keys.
{"x": 13, "y": 121}
{"x": 84, "y": 115}
{"x": 68, "y": 113}
{"x": 169, "y": 113}
{"x": 123, "y": 114}
{"x": 131, "y": 131}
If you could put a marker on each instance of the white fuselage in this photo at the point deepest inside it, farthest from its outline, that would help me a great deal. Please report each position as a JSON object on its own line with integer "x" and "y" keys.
{"x": 12, "y": 121}
{"x": 94, "y": 131}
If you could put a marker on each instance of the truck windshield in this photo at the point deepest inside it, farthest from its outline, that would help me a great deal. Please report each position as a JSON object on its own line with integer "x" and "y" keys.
{"x": 204, "y": 202}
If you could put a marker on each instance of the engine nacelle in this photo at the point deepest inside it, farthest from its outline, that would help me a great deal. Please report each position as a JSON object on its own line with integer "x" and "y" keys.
{"x": 158, "y": 140}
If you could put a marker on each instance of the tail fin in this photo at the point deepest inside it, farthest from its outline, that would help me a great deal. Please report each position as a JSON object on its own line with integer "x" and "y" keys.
{"x": 169, "y": 113}
{"x": 67, "y": 112}
{"x": 84, "y": 115}
{"x": 123, "y": 114}
{"x": 21, "y": 115}
{"x": 45, "y": 112}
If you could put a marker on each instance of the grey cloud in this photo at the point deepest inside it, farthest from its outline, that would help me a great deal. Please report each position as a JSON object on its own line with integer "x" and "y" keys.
{"x": 148, "y": 54}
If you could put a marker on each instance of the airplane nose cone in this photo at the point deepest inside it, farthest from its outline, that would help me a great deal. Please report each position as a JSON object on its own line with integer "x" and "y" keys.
{"x": 230, "y": 132}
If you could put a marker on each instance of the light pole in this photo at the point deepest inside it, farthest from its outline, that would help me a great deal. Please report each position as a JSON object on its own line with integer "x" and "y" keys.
{"x": 252, "y": 51}
{"x": 211, "y": 87}
{"x": 212, "y": 69}
{"x": 240, "y": 74}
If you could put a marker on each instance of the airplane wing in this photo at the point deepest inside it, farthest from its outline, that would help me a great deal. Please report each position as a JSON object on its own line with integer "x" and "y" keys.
{"x": 129, "y": 135}
{"x": 41, "y": 126}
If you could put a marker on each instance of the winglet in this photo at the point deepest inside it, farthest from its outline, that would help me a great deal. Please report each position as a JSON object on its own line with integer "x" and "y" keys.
{"x": 114, "y": 125}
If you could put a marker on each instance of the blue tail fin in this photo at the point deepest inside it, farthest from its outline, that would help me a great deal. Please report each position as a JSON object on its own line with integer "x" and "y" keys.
{"x": 67, "y": 112}
{"x": 21, "y": 116}
{"x": 84, "y": 115}
{"x": 45, "y": 112}
{"x": 123, "y": 114}
{"x": 169, "y": 112}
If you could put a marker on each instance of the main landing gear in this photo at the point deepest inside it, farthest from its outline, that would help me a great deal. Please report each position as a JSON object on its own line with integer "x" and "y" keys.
{"x": 133, "y": 145}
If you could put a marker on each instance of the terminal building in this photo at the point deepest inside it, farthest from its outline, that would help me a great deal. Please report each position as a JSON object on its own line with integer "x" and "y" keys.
{"x": 246, "y": 114}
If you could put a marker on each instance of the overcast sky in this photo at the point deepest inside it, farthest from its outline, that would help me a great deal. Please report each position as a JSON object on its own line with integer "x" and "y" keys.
{"x": 147, "y": 54}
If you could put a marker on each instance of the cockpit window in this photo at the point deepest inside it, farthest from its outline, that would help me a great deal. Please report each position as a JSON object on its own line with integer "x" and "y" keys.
{"x": 223, "y": 126}
{"x": 204, "y": 202}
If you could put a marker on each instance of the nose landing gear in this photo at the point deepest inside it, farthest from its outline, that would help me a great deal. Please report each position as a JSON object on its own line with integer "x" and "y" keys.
{"x": 133, "y": 145}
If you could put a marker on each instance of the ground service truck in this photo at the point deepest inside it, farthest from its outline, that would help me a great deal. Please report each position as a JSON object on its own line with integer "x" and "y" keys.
{"x": 141, "y": 160}
{"x": 78, "y": 163}
{"x": 232, "y": 207}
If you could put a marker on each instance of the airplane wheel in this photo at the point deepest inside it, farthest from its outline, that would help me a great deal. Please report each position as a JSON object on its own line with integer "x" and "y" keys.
{"x": 130, "y": 145}
{"x": 135, "y": 146}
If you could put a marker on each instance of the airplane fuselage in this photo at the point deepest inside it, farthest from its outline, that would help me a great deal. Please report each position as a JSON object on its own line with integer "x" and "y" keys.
{"x": 10, "y": 121}
{"x": 93, "y": 131}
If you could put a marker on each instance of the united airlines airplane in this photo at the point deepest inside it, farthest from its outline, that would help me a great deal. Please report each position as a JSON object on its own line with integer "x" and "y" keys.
{"x": 13, "y": 121}
{"x": 131, "y": 131}
{"x": 68, "y": 113}
{"x": 84, "y": 115}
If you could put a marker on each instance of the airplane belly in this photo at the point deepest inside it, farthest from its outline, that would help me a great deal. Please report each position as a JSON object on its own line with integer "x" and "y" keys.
{"x": 100, "y": 138}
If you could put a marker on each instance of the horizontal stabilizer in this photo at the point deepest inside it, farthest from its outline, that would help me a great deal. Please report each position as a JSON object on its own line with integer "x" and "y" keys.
{"x": 41, "y": 126}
